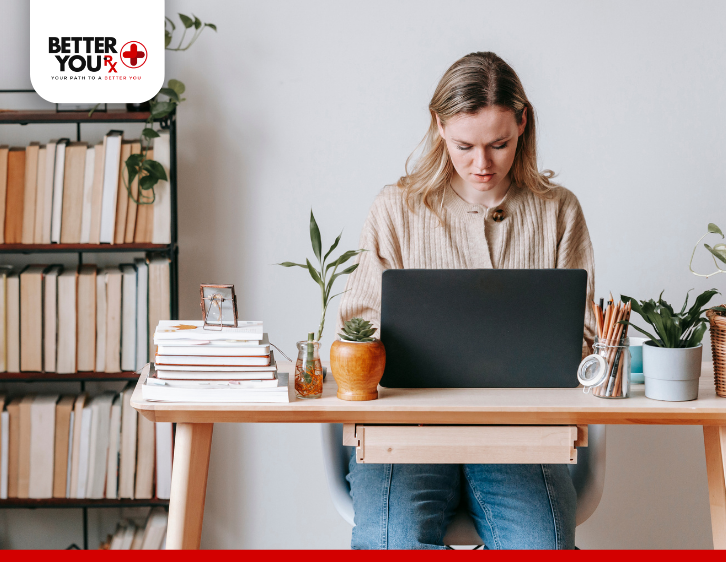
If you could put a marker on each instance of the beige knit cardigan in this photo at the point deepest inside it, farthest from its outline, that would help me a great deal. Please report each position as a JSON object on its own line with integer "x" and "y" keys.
{"x": 525, "y": 231}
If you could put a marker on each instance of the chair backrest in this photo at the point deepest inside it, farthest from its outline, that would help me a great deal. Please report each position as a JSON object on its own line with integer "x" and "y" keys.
{"x": 588, "y": 477}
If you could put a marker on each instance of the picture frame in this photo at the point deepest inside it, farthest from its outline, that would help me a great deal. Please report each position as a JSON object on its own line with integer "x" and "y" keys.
{"x": 219, "y": 306}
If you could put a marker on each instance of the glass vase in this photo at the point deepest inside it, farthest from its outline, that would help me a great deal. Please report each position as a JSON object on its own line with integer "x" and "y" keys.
{"x": 308, "y": 370}
{"x": 616, "y": 383}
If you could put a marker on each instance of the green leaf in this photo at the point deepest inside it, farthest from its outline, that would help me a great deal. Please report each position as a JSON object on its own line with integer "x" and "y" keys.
{"x": 148, "y": 182}
{"x": 685, "y": 304}
{"x": 132, "y": 168}
{"x": 696, "y": 336}
{"x": 315, "y": 236}
{"x": 153, "y": 168}
{"x": 335, "y": 245}
{"x": 343, "y": 258}
{"x": 167, "y": 38}
{"x": 291, "y": 264}
{"x": 149, "y": 133}
{"x": 170, "y": 92}
{"x": 719, "y": 250}
{"x": 177, "y": 86}
{"x": 161, "y": 109}
{"x": 652, "y": 338}
{"x": 713, "y": 229}
{"x": 701, "y": 300}
{"x": 173, "y": 27}
{"x": 214, "y": 27}
{"x": 315, "y": 275}
{"x": 719, "y": 309}
{"x": 197, "y": 22}
{"x": 186, "y": 21}
{"x": 351, "y": 269}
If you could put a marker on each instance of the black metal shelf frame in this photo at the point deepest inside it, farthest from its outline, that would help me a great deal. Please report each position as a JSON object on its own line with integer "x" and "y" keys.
{"x": 171, "y": 251}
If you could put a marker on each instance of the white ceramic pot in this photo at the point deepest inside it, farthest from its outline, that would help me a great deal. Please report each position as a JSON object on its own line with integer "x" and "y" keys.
{"x": 671, "y": 374}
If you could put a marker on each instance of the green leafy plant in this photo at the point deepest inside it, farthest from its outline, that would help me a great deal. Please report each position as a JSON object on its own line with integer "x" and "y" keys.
{"x": 718, "y": 252}
{"x": 320, "y": 276}
{"x": 674, "y": 330}
{"x": 357, "y": 329}
{"x": 151, "y": 172}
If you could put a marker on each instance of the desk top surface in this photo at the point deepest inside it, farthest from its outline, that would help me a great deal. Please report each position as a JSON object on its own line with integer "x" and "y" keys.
{"x": 551, "y": 406}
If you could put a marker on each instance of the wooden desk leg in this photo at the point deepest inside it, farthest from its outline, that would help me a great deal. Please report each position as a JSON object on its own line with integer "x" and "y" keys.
{"x": 715, "y": 440}
{"x": 192, "y": 446}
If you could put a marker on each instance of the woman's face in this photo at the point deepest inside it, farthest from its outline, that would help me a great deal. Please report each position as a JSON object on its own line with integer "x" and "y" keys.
{"x": 482, "y": 146}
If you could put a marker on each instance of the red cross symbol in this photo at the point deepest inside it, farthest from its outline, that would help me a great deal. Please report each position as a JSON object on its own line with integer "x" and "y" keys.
{"x": 131, "y": 57}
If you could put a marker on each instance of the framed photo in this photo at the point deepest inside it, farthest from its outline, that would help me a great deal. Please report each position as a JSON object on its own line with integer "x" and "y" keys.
{"x": 219, "y": 306}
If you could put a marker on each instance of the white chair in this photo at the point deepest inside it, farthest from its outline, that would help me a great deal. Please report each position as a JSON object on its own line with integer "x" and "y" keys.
{"x": 588, "y": 476}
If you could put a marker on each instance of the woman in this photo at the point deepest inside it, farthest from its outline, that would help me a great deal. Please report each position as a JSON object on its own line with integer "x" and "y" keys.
{"x": 473, "y": 199}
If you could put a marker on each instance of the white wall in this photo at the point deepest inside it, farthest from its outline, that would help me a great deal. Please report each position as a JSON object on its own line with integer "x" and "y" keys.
{"x": 318, "y": 103}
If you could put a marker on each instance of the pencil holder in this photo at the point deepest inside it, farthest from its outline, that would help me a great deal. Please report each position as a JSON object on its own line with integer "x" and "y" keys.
{"x": 616, "y": 381}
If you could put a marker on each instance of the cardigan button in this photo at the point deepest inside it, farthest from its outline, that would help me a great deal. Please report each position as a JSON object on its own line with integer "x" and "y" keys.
{"x": 498, "y": 215}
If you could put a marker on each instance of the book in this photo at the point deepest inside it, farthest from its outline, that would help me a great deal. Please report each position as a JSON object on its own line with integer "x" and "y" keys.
{"x": 39, "y": 194}
{"x": 213, "y": 349}
{"x": 15, "y": 196}
{"x": 78, "y": 406}
{"x": 155, "y": 530}
{"x": 161, "y": 233}
{"x": 94, "y": 236}
{"x": 145, "y": 214}
{"x": 138, "y": 538}
{"x": 230, "y": 371}
{"x": 84, "y": 451}
{"x": 46, "y": 207}
{"x": 31, "y": 318}
{"x": 86, "y": 352}
{"x": 111, "y": 167}
{"x": 58, "y": 184}
{"x": 127, "y": 464}
{"x": 163, "y": 459}
{"x": 98, "y": 450}
{"x": 13, "y": 410}
{"x": 73, "y": 184}
{"x": 246, "y": 331}
{"x": 128, "y": 537}
{"x": 3, "y": 319}
{"x": 142, "y": 313}
{"x": 132, "y": 207}
{"x": 159, "y": 294}
{"x": 69, "y": 452}
{"x": 212, "y": 361}
{"x": 113, "y": 320}
{"x": 212, "y": 384}
{"x": 42, "y": 446}
{"x": 114, "y": 446}
{"x": 67, "y": 321}
{"x": 24, "y": 447}
{"x": 122, "y": 201}
{"x": 118, "y": 537}
{"x": 12, "y": 285}
{"x": 30, "y": 191}
{"x": 50, "y": 318}
{"x": 101, "y": 321}
{"x": 144, "y": 489}
{"x": 128, "y": 318}
{"x": 163, "y": 392}
{"x": 4, "y": 452}
{"x": 63, "y": 412}
{"x": 88, "y": 178}
{"x": 215, "y": 375}
{"x": 3, "y": 188}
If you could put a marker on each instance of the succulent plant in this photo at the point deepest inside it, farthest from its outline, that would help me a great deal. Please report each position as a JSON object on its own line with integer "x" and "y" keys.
{"x": 357, "y": 329}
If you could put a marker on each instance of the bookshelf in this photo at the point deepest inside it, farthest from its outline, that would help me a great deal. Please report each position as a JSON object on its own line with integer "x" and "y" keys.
{"x": 170, "y": 251}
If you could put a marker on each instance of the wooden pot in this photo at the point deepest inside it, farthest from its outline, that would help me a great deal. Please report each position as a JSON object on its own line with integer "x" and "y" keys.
{"x": 357, "y": 368}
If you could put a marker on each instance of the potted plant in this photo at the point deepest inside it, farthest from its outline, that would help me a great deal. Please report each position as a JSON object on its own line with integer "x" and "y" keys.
{"x": 357, "y": 360}
{"x": 672, "y": 357}
{"x": 717, "y": 314}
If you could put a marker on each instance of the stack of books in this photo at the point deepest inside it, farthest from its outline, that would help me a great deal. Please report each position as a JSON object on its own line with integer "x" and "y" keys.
{"x": 198, "y": 364}
{"x": 151, "y": 535}
{"x": 81, "y": 447}
{"x": 72, "y": 193}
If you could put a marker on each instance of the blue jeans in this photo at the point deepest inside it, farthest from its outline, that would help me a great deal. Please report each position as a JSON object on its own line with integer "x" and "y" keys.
{"x": 514, "y": 506}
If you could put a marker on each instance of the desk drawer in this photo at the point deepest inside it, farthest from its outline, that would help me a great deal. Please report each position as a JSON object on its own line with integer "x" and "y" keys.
{"x": 457, "y": 444}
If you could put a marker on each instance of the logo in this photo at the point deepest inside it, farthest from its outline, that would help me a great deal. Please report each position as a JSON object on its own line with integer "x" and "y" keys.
{"x": 85, "y": 51}
{"x": 135, "y": 56}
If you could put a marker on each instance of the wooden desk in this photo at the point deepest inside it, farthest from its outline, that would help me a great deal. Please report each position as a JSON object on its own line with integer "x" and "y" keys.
{"x": 429, "y": 407}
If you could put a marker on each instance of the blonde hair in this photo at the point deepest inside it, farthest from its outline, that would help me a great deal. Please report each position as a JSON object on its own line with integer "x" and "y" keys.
{"x": 472, "y": 83}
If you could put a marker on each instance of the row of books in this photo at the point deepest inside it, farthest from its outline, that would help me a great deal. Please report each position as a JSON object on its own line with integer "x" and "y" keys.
{"x": 60, "y": 320}
{"x": 72, "y": 193}
{"x": 149, "y": 536}
{"x": 194, "y": 363}
{"x": 73, "y": 446}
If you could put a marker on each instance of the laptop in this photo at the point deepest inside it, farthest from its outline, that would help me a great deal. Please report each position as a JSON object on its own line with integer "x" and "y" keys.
{"x": 482, "y": 328}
